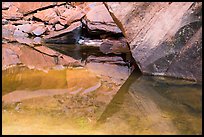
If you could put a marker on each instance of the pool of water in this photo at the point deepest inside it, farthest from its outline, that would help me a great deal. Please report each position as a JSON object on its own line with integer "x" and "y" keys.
{"x": 78, "y": 101}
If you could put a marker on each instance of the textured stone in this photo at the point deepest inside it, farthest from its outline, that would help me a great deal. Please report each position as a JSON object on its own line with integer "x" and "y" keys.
{"x": 12, "y": 13}
{"x": 46, "y": 15}
{"x": 28, "y": 7}
{"x": 99, "y": 21}
{"x": 159, "y": 33}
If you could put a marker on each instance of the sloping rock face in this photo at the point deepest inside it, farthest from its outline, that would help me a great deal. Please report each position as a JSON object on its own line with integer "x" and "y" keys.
{"x": 164, "y": 38}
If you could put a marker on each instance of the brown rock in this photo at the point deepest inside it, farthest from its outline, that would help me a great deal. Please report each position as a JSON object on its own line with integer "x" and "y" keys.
{"x": 68, "y": 35}
{"x": 158, "y": 34}
{"x": 28, "y": 7}
{"x": 110, "y": 60}
{"x": 46, "y": 15}
{"x": 99, "y": 21}
{"x": 114, "y": 46}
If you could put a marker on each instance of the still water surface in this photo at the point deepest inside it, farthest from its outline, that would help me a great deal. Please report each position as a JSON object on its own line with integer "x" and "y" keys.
{"x": 77, "y": 101}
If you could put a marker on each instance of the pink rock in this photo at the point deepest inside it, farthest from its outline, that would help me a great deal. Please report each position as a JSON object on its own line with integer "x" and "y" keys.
{"x": 9, "y": 56}
{"x": 98, "y": 19}
{"x": 59, "y": 27}
{"x": 39, "y": 30}
{"x": 46, "y": 15}
{"x": 73, "y": 14}
{"x": 28, "y": 7}
{"x": 12, "y": 13}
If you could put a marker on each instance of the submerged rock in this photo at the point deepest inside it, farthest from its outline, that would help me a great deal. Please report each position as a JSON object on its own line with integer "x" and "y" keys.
{"x": 114, "y": 46}
{"x": 69, "y": 35}
{"x": 81, "y": 81}
{"x": 164, "y": 38}
{"x": 110, "y": 60}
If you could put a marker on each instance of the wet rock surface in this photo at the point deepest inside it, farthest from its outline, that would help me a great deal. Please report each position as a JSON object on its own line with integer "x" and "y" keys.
{"x": 39, "y": 58}
{"x": 159, "y": 34}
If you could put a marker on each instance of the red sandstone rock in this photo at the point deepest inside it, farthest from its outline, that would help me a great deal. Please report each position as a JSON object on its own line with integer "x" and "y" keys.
{"x": 59, "y": 27}
{"x": 46, "y": 15}
{"x": 158, "y": 34}
{"x": 98, "y": 19}
{"x": 39, "y": 57}
{"x": 12, "y": 13}
{"x": 6, "y": 5}
{"x": 28, "y": 7}
{"x": 74, "y": 14}
{"x": 9, "y": 57}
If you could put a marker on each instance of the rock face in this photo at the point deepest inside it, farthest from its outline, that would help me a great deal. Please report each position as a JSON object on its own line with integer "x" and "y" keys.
{"x": 164, "y": 38}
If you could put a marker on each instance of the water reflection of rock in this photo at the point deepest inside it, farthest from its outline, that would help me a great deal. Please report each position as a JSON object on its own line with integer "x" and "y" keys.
{"x": 149, "y": 105}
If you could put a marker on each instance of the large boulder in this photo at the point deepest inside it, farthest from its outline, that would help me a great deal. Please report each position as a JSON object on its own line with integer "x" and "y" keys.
{"x": 164, "y": 37}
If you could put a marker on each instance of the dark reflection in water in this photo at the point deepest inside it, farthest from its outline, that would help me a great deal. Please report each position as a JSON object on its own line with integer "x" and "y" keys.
{"x": 154, "y": 105}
